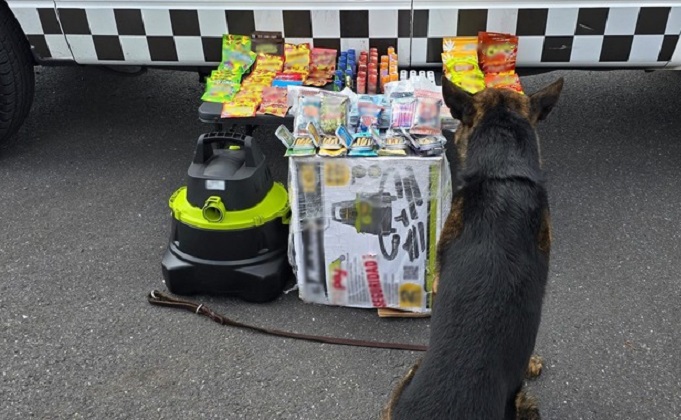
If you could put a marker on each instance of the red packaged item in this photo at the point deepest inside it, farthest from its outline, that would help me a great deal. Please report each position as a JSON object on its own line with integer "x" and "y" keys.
{"x": 322, "y": 66}
{"x": 504, "y": 81}
{"x": 274, "y": 101}
{"x": 322, "y": 60}
{"x": 497, "y": 53}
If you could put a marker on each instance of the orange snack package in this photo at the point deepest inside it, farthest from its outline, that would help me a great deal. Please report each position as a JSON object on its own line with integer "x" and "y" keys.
{"x": 459, "y": 46}
{"x": 497, "y": 52}
{"x": 505, "y": 81}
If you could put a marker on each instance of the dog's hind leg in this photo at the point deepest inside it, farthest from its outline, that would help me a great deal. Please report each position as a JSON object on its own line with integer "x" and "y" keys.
{"x": 535, "y": 366}
{"x": 526, "y": 406}
{"x": 387, "y": 413}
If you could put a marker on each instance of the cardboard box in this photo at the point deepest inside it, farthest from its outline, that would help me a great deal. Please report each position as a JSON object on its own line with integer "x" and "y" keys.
{"x": 364, "y": 231}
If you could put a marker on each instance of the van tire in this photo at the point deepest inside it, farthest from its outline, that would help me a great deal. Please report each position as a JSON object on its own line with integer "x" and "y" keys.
{"x": 17, "y": 80}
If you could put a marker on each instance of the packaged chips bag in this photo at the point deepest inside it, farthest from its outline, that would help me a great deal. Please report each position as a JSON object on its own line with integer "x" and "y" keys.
{"x": 497, "y": 53}
{"x": 504, "y": 80}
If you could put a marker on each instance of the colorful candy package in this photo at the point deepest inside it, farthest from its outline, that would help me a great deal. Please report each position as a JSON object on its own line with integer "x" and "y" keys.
{"x": 220, "y": 90}
{"x": 236, "y": 53}
{"x": 427, "y": 116}
{"x": 402, "y": 112}
{"x": 506, "y": 81}
{"x": 471, "y": 82}
{"x": 239, "y": 109}
{"x": 459, "y": 47}
{"x": 497, "y": 52}
{"x": 296, "y": 146}
{"x": 334, "y": 113}
{"x": 369, "y": 115}
{"x": 309, "y": 110}
{"x": 267, "y": 42}
{"x": 391, "y": 145}
{"x": 274, "y": 101}
{"x": 269, "y": 63}
{"x": 322, "y": 66}
{"x": 297, "y": 57}
{"x": 460, "y": 64}
{"x": 431, "y": 145}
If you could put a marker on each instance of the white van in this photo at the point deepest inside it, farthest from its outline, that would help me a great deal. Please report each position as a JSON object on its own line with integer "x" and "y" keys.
{"x": 186, "y": 34}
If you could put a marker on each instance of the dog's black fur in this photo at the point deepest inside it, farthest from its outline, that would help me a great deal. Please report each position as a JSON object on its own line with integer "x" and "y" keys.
{"x": 492, "y": 271}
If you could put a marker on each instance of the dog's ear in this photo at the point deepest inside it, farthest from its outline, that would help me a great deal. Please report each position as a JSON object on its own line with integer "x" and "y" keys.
{"x": 544, "y": 100}
{"x": 459, "y": 101}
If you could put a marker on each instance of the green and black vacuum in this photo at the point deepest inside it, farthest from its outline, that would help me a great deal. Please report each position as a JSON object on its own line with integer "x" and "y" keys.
{"x": 229, "y": 224}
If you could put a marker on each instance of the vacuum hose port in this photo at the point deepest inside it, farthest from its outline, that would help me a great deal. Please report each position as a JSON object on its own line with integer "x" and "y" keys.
{"x": 213, "y": 210}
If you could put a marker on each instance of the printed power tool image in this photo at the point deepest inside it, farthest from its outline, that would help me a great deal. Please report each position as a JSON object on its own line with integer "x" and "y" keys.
{"x": 372, "y": 213}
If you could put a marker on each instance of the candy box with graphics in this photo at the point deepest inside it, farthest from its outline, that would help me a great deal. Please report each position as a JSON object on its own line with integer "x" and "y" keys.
{"x": 364, "y": 231}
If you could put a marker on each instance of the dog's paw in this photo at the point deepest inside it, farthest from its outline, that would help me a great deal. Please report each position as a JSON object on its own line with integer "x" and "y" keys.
{"x": 535, "y": 366}
{"x": 527, "y": 407}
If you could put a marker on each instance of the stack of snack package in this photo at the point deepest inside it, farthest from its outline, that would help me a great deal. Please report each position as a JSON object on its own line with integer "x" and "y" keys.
{"x": 488, "y": 60}
{"x": 224, "y": 83}
{"x": 406, "y": 120}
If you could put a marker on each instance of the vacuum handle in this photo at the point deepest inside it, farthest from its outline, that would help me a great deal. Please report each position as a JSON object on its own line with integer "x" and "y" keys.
{"x": 205, "y": 147}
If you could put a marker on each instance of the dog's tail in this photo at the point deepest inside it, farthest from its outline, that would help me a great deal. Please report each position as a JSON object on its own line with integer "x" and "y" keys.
{"x": 527, "y": 407}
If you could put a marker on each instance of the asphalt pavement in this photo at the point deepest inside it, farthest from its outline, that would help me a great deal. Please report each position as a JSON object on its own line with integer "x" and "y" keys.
{"x": 84, "y": 221}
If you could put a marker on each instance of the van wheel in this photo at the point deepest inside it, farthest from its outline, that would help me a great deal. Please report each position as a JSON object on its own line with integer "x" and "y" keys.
{"x": 17, "y": 80}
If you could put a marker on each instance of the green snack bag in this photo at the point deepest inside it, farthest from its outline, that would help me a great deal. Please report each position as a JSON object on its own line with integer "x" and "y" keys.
{"x": 226, "y": 75}
{"x": 236, "y": 54}
{"x": 220, "y": 91}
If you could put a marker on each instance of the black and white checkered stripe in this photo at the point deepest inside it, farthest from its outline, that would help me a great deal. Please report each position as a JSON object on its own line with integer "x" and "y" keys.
{"x": 635, "y": 36}
{"x": 563, "y": 37}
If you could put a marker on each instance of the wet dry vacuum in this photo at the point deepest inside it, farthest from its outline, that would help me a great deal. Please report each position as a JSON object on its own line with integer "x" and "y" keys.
{"x": 229, "y": 224}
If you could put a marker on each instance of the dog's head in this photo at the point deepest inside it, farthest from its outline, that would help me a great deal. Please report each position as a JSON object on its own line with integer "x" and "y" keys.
{"x": 471, "y": 109}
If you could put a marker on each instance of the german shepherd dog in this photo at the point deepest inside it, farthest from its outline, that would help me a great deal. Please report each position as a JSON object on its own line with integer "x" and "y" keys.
{"x": 493, "y": 260}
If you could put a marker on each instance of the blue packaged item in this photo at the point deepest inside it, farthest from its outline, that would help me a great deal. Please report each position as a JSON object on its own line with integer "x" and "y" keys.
{"x": 284, "y": 83}
{"x": 344, "y": 135}
{"x": 363, "y": 145}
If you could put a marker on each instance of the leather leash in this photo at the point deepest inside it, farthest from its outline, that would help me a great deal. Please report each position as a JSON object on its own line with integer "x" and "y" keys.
{"x": 161, "y": 299}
